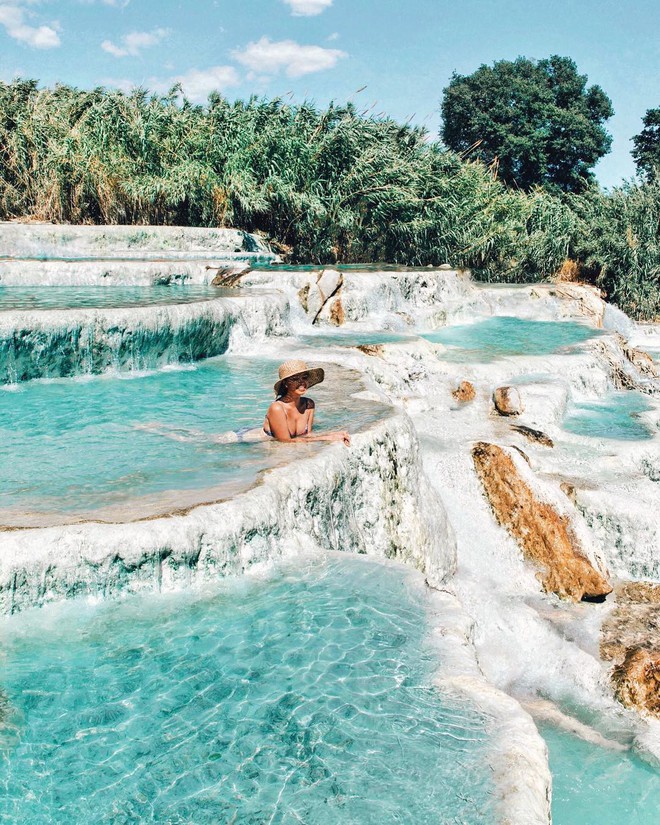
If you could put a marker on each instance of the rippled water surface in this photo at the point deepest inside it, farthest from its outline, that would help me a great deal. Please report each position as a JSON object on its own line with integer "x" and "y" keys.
{"x": 104, "y": 297}
{"x": 596, "y": 786}
{"x": 306, "y": 698}
{"x": 615, "y": 417}
{"x": 502, "y": 336}
{"x": 103, "y": 441}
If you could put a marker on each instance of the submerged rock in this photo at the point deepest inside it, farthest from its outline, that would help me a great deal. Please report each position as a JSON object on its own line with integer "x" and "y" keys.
{"x": 637, "y": 681}
{"x": 465, "y": 392}
{"x": 544, "y": 533}
{"x": 507, "y": 401}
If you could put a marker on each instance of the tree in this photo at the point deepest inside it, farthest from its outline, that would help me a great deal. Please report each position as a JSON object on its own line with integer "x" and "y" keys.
{"x": 647, "y": 146}
{"x": 536, "y": 123}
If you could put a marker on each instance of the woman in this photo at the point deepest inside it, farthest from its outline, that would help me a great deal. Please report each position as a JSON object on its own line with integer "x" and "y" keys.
{"x": 291, "y": 416}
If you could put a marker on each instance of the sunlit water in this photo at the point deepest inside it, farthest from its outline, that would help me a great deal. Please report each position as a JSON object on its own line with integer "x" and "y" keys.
{"x": 307, "y": 698}
{"x": 614, "y": 417}
{"x": 596, "y": 786}
{"x": 505, "y": 336}
{"x": 103, "y": 297}
{"x": 103, "y": 441}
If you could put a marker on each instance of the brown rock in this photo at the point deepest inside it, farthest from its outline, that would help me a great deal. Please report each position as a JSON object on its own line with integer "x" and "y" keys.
{"x": 507, "y": 401}
{"x": 569, "y": 491}
{"x": 372, "y": 349}
{"x": 229, "y": 276}
{"x": 642, "y": 360}
{"x": 637, "y": 681}
{"x": 629, "y": 626}
{"x": 543, "y": 533}
{"x": 337, "y": 316}
{"x": 533, "y": 435}
{"x": 303, "y": 297}
{"x": 638, "y": 593}
{"x": 464, "y": 392}
{"x": 569, "y": 271}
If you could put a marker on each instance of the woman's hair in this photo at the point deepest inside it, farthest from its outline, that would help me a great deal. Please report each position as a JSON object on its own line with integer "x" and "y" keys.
{"x": 284, "y": 388}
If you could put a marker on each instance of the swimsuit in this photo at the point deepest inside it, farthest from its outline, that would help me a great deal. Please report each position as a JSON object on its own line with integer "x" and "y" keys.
{"x": 291, "y": 435}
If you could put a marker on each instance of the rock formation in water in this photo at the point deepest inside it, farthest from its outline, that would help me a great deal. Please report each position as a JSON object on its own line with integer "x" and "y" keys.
{"x": 464, "y": 392}
{"x": 507, "y": 401}
{"x": 630, "y": 638}
{"x": 544, "y": 534}
{"x": 531, "y": 434}
{"x": 637, "y": 680}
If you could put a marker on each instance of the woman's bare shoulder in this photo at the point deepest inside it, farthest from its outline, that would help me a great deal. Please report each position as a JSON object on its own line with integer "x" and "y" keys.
{"x": 275, "y": 407}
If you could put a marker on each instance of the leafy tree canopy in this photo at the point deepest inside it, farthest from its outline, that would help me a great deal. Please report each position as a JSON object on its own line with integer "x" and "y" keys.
{"x": 647, "y": 146}
{"x": 535, "y": 121}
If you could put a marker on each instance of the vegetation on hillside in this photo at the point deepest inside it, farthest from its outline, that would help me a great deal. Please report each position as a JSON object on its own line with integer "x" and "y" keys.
{"x": 325, "y": 185}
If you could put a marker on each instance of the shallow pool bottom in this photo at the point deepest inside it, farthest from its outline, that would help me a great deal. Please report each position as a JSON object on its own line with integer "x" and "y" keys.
{"x": 493, "y": 338}
{"x": 615, "y": 417}
{"x": 595, "y": 786}
{"x": 307, "y": 697}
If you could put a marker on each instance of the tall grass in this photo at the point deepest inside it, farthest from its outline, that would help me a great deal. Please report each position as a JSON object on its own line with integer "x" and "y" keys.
{"x": 325, "y": 185}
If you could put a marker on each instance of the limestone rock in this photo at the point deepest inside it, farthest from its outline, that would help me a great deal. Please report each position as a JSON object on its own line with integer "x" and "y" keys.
{"x": 372, "y": 349}
{"x": 545, "y": 535}
{"x": 533, "y": 435}
{"x": 637, "y": 681}
{"x": 328, "y": 284}
{"x": 643, "y": 361}
{"x": 337, "y": 316}
{"x": 629, "y": 638}
{"x": 229, "y": 276}
{"x": 464, "y": 392}
{"x": 507, "y": 401}
{"x": 303, "y": 297}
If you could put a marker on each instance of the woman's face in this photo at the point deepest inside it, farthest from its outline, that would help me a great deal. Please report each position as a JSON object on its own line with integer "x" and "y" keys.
{"x": 297, "y": 386}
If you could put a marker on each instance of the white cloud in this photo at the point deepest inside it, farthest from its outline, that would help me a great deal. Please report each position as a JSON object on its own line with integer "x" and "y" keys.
{"x": 133, "y": 43}
{"x": 268, "y": 57}
{"x": 197, "y": 84}
{"x": 308, "y": 8}
{"x": 13, "y": 18}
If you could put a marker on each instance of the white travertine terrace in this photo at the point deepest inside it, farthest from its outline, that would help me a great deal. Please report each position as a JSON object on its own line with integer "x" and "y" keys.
{"x": 406, "y": 488}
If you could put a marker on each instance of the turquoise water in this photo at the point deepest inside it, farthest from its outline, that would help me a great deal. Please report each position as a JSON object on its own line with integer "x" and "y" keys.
{"x": 503, "y": 336}
{"x": 596, "y": 786}
{"x": 612, "y": 417}
{"x": 70, "y": 297}
{"x": 83, "y": 443}
{"x": 351, "y": 338}
{"x": 307, "y": 698}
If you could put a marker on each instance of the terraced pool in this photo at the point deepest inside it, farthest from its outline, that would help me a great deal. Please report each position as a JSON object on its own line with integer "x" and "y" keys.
{"x": 104, "y": 442}
{"x": 306, "y": 697}
{"x": 503, "y": 336}
{"x": 104, "y": 297}
{"x": 615, "y": 417}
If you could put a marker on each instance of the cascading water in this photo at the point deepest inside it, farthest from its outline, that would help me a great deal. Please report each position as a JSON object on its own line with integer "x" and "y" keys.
{"x": 406, "y": 489}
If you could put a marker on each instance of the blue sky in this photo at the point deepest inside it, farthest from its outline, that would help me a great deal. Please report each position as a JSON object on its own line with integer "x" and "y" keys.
{"x": 403, "y": 52}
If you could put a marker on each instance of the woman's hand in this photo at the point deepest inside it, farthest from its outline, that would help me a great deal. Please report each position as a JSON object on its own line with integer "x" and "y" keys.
{"x": 340, "y": 435}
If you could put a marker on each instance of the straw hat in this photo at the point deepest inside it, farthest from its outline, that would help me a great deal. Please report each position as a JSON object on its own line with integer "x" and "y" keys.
{"x": 289, "y": 369}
